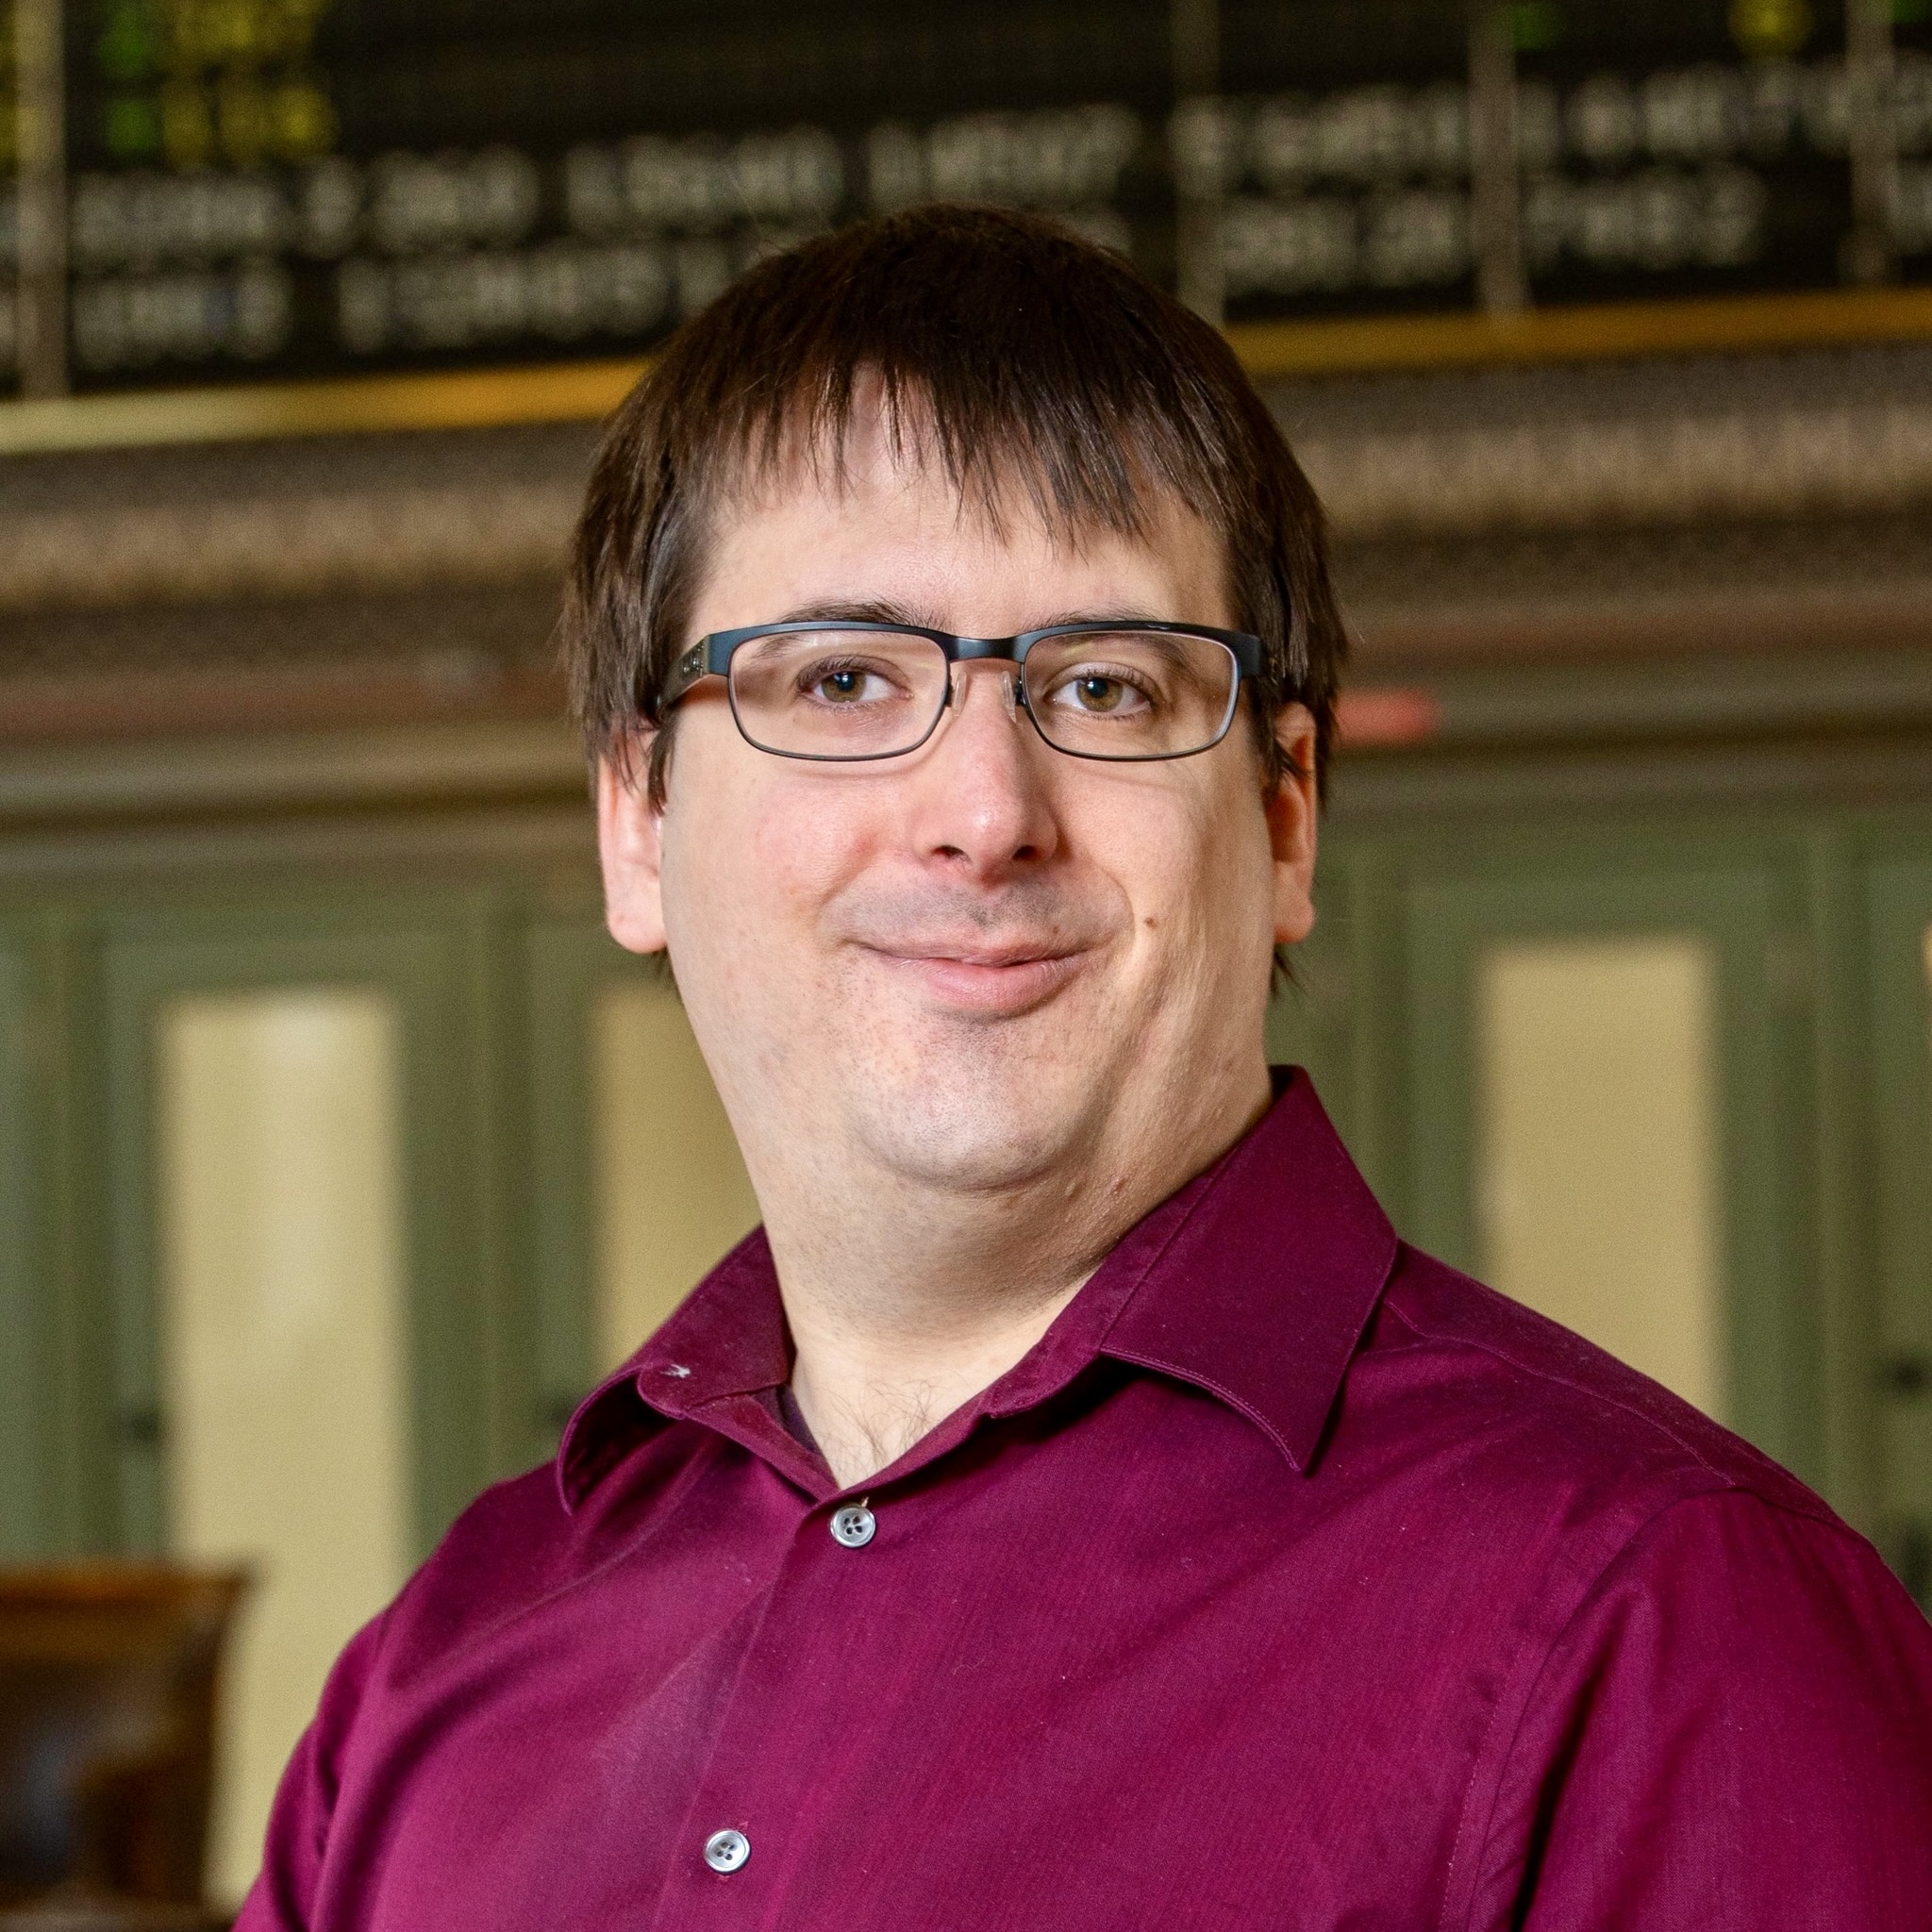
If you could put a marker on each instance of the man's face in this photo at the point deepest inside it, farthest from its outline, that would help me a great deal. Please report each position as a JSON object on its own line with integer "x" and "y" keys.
{"x": 985, "y": 965}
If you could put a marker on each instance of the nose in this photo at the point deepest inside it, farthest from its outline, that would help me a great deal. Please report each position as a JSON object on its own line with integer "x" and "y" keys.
{"x": 981, "y": 803}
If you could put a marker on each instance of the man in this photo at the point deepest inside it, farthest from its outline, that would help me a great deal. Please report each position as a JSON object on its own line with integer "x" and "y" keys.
{"x": 1075, "y": 1509}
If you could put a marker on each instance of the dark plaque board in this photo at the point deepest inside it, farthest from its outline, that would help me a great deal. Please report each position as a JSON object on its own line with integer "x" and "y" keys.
{"x": 1342, "y": 134}
{"x": 1684, "y": 147}
{"x": 9, "y": 211}
{"x": 302, "y": 188}
{"x": 411, "y": 182}
{"x": 1912, "y": 211}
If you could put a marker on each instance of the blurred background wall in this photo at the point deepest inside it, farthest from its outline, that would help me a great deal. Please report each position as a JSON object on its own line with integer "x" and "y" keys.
{"x": 339, "y": 1149}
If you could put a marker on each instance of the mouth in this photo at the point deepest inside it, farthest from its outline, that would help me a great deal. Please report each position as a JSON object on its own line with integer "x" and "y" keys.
{"x": 998, "y": 980}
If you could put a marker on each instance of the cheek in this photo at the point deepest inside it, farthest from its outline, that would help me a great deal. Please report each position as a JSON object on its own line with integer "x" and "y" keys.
{"x": 711, "y": 868}
{"x": 804, "y": 838}
{"x": 1169, "y": 853}
{"x": 1205, "y": 880}
{"x": 760, "y": 849}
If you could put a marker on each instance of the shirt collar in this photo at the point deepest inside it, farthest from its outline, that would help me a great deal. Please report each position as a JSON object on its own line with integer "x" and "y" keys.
{"x": 1262, "y": 1293}
{"x": 726, "y": 1338}
{"x": 1253, "y": 1282}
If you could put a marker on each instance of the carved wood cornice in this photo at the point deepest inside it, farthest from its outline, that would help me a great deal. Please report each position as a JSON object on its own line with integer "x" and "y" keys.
{"x": 1465, "y": 456}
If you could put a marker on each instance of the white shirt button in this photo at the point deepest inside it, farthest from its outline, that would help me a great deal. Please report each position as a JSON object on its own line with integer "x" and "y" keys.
{"x": 726, "y": 1851}
{"x": 855, "y": 1526}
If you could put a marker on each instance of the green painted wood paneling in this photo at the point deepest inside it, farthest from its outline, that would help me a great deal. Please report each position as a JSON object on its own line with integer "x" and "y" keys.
{"x": 1844, "y": 1181}
{"x": 1308, "y": 1018}
{"x": 55, "y": 1454}
{"x": 418, "y": 954}
{"x": 27, "y": 1433}
{"x": 1898, "y": 1366}
{"x": 1746, "y": 903}
{"x": 567, "y": 958}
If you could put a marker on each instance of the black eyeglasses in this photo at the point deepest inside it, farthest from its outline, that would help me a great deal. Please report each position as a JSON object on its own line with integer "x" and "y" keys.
{"x": 814, "y": 689}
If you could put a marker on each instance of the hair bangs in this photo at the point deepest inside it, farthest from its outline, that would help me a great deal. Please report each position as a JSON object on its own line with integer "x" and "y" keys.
{"x": 1001, "y": 387}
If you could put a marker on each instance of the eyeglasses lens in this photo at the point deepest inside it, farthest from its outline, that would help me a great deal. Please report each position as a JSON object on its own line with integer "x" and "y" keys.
{"x": 838, "y": 694}
{"x": 1130, "y": 693}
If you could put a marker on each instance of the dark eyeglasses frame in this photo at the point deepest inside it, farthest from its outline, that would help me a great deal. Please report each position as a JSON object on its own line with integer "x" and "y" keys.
{"x": 712, "y": 655}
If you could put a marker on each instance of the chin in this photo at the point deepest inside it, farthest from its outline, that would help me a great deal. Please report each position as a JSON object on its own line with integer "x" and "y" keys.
{"x": 964, "y": 1125}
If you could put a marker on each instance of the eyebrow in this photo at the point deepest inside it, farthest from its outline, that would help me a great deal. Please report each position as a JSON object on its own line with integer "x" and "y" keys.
{"x": 860, "y": 610}
{"x": 870, "y": 610}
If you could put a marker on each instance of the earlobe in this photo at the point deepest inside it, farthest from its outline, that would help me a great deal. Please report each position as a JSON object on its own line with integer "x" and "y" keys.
{"x": 1292, "y": 827}
{"x": 630, "y": 850}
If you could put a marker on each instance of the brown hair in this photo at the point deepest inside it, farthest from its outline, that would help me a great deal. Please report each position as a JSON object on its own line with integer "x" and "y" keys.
{"x": 1003, "y": 344}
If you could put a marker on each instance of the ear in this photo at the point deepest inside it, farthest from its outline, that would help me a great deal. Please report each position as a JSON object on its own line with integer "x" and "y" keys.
{"x": 630, "y": 849}
{"x": 1291, "y": 816}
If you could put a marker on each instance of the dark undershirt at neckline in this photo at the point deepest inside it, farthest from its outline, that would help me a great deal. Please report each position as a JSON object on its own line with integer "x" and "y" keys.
{"x": 793, "y": 1418}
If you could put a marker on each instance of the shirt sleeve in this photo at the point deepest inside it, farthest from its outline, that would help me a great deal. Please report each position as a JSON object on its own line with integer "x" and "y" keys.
{"x": 284, "y": 1897}
{"x": 1734, "y": 1731}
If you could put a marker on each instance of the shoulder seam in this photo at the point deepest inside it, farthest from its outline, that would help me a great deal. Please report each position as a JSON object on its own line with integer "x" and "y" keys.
{"x": 1729, "y": 1479}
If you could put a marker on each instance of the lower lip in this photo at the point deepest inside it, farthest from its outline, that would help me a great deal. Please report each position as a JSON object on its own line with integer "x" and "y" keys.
{"x": 980, "y": 988}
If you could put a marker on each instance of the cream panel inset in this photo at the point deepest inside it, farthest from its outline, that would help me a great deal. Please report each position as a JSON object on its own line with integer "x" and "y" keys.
{"x": 282, "y": 1283}
{"x": 1597, "y": 1154}
{"x": 672, "y": 1190}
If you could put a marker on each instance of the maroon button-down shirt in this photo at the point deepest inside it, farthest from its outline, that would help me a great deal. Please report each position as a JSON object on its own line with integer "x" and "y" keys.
{"x": 1292, "y": 1580}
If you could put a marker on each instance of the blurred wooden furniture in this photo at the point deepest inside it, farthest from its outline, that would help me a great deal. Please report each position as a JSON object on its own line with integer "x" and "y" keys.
{"x": 109, "y": 1675}
{"x": 111, "y": 1915}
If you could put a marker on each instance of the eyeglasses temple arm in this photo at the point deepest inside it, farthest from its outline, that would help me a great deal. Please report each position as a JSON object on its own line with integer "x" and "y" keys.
{"x": 710, "y": 657}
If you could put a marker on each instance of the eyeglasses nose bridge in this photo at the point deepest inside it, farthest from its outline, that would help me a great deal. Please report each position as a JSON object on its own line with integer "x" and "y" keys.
{"x": 1012, "y": 687}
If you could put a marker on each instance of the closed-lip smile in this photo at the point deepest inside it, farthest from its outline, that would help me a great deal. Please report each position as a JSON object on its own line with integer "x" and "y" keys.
{"x": 978, "y": 977}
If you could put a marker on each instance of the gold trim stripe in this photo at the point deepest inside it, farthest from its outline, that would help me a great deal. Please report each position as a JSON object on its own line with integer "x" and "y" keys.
{"x": 582, "y": 391}
{"x": 1599, "y": 332}
{"x": 445, "y": 399}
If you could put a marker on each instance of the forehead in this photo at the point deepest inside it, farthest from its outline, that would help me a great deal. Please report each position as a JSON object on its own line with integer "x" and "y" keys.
{"x": 882, "y": 517}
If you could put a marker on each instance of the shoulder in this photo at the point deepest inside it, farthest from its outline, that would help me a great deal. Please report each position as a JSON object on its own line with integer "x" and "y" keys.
{"x": 1553, "y": 1409}
{"x": 1732, "y": 1729}
{"x": 1630, "y": 1519}
{"x": 512, "y": 1546}
{"x": 492, "y": 1562}
{"x": 1559, "y": 1464}
{"x": 1708, "y": 1699}
{"x": 1564, "y": 1480}
{"x": 519, "y": 1546}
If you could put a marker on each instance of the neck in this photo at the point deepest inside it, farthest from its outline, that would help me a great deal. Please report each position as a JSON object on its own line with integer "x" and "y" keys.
{"x": 900, "y": 1316}
{"x": 887, "y": 1346}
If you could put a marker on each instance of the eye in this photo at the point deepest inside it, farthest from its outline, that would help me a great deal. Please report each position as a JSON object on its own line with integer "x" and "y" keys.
{"x": 846, "y": 683}
{"x": 1100, "y": 690}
